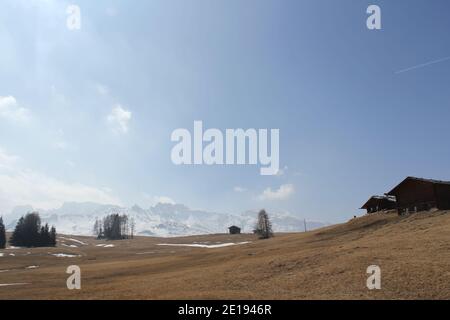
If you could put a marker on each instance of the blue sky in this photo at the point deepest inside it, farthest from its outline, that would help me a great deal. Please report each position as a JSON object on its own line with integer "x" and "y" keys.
{"x": 86, "y": 115}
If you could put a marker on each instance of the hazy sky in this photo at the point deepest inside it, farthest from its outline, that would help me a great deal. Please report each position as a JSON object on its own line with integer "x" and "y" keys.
{"x": 86, "y": 115}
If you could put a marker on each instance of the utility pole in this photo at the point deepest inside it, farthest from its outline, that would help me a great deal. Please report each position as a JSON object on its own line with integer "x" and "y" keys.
{"x": 304, "y": 222}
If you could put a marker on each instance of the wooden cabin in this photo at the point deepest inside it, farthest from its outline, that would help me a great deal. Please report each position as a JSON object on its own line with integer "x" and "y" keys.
{"x": 379, "y": 203}
{"x": 418, "y": 194}
{"x": 234, "y": 230}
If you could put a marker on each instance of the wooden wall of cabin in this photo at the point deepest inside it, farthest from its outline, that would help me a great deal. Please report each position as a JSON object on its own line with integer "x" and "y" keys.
{"x": 443, "y": 196}
{"x": 414, "y": 193}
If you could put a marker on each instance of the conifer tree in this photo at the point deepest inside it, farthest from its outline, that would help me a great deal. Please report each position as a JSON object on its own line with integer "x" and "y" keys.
{"x": 52, "y": 238}
{"x": 2, "y": 234}
{"x": 30, "y": 233}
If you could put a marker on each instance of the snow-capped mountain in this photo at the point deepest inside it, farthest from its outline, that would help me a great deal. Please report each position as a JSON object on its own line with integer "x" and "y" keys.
{"x": 164, "y": 220}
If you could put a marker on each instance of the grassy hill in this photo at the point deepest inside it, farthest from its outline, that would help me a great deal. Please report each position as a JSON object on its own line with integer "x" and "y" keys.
{"x": 413, "y": 253}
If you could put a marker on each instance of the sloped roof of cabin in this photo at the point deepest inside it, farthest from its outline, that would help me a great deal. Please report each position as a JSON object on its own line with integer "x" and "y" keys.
{"x": 393, "y": 191}
{"x": 388, "y": 198}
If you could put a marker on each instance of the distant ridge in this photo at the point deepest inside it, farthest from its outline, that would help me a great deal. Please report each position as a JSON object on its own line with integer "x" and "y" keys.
{"x": 163, "y": 220}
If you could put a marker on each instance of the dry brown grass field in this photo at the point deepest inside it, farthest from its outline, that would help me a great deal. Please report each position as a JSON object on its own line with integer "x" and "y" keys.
{"x": 413, "y": 253}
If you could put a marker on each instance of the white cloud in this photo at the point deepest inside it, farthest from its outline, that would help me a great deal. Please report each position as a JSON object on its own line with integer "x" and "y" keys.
{"x": 70, "y": 163}
{"x": 283, "y": 193}
{"x": 119, "y": 119}
{"x": 7, "y": 161}
{"x": 57, "y": 97}
{"x": 239, "y": 189}
{"x": 163, "y": 199}
{"x": 102, "y": 90}
{"x": 154, "y": 200}
{"x": 60, "y": 142}
{"x": 282, "y": 171}
{"x": 23, "y": 186}
{"x": 61, "y": 145}
{"x": 10, "y": 110}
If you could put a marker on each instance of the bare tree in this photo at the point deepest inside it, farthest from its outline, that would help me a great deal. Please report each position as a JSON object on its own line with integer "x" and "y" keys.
{"x": 263, "y": 226}
{"x": 132, "y": 227}
{"x": 114, "y": 227}
{"x": 124, "y": 227}
{"x": 96, "y": 230}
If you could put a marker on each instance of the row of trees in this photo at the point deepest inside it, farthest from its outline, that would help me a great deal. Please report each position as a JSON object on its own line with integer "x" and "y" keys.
{"x": 29, "y": 233}
{"x": 114, "y": 227}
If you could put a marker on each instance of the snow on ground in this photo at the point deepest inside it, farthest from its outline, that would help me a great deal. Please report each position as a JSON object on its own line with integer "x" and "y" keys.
{"x": 196, "y": 245}
{"x": 12, "y": 254}
{"x": 70, "y": 246}
{"x": 1, "y": 271}
{"x": 105, "y": 245}
{"x": 1, "y": 254}
{"x": 64, "y": 255}
{"x": 32, "y": 267}
{"x": 12, "y": 284}
{"x": 12, "y": 248}
{"x": 74, "y": 240}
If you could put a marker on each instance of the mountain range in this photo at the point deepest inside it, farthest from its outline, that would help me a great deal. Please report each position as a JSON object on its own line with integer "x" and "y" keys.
{"x": 162, "y": 220}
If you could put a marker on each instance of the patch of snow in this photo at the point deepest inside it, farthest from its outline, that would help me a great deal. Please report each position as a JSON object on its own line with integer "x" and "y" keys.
{"x": 12, "y": 254}
{"x": 64, "y": 255}
{"x": 151, "y": 252}
{"x": 12, "y": 248}
{"x": 70, "y": 246}
{"x": 213, "y": 246}
{"x": 32, "y": 267}
{"x": 1, "y": 254}
{"x": 105, "y": 245}
{"x": 12, "y": 284}
{"x": 162, "y": 220}
{"x": 1, "y": 271}
{"x": 74, "y": 240}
